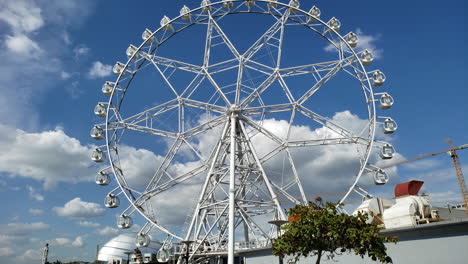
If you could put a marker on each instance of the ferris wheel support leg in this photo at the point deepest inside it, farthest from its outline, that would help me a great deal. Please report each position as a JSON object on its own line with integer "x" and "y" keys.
{"x": 232, "y": 190}
{"x": 274, "y": 197}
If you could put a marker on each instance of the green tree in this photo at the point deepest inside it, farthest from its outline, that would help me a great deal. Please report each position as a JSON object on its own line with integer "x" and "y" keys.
{"x": 316, "y": 230}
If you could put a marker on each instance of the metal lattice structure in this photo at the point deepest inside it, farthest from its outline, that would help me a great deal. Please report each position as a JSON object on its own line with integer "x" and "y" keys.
{"x": 228, "y": 100}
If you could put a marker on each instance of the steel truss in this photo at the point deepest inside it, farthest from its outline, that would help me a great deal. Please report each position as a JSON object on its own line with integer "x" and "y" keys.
{"x": 237, "y": 193}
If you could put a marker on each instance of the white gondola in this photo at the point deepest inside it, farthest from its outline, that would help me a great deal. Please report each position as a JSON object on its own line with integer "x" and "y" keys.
{"x": 387, "y": 151}
{"x": 102, "y": 178}
{"x": 147, "y": 36}
{"x": 386, "y": 101}
{"x": 249, "y": 3}
{"x": 273, "y": 4}
{"x": 100, "y": 110}
{"x": 119, "y": 68}
{"x": 124, "y": 221}
{"x": 97, "y": 132}
{"x": 366, "y": 57}
{"x": 107, "y": 88}
{"x": 162, "y": 256}
{"x": 205, "y": 5}
{"x": 334, "y": 24}
{"x": 131, "y": 50}
{"x": 111, "y": 201}
{"x": 294, "y": 4}
{"x": 98, "y": 155}
{"x": 378, "y": 78}
{"x": 166, "y": 23}
{"x": 143, "y": 240}
{"x": 185, "y": 13}
{"x": 314, "y": 13}
{"x": 389, "y": 126}
{"x": 380, "y": 177}
{"x": 352, "y": 39}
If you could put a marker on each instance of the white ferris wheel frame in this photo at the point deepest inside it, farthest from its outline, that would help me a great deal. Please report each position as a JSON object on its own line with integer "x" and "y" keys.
{"x": 233, "y": 118}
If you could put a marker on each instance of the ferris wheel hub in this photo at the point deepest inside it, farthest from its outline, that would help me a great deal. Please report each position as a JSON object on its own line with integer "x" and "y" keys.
{"x": 234, "y": 109}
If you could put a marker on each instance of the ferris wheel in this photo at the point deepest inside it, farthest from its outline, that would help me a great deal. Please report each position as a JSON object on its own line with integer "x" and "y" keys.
{"x": 232, "y": 130}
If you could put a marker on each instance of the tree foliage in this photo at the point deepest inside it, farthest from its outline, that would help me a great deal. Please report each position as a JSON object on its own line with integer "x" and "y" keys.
{"x": 316, "y": 230}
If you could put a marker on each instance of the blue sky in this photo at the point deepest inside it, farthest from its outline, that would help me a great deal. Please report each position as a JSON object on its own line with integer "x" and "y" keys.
{"x": 56, "y": 55}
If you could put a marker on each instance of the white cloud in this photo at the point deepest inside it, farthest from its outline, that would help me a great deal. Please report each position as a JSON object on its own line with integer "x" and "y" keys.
{"x": 80, "y": 209}
{"x": 99, "y": 70}
{"x": 108, "y": 231}
{"x": 31, "y": 256}
{"x": 6, "y": 252}
{"x": 23, "y": 45}
{"x": 365, "y": 42}
{"x": 65, "y": 75}
{"x": 323, "y": 170}
{"x": 88, "y": 224}
{"x": 49, "y": 156}
{"x": 78, "y": 242}
{"x": 81, "y": 50}
{"x": 23, "y": 229}
{"x": 30, "y": 53}
{"x": 66, "y": 242}
{"x": 36, "y": 211}
{"x": 74, "y": 90}
{"x": 21, "y": 15}
{"x": 444, "y": 198}
{"x": 61, "y": 241}
{"x": 34, "y": 194}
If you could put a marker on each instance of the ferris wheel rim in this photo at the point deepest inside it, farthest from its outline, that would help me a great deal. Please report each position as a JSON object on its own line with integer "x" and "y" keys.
{"x": 372, "y": 112}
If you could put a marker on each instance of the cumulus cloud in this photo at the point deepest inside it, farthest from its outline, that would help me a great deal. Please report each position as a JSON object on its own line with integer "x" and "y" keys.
{"x": 99, "y": 70}
{"x": 88, "y": 224}
{"x": 65, "y": 75}
{"x": 81, "y": 50}
{"x": 35, "y": 211}
{"x": 79, "y": 209}
{"x": 6, "y": 252}
{"x": 33, "y": 194}
{"x": 24, "y": 77}
{"x": 365, "y": 42}
{"x": 66, "y": 242}
{"x": 22, "y": 16}
{"x": 44, "y": 156}
{"x": 323, "y": 170}
{"x": 108, "y": 231}
{"x": 30, "y": 256}
{"x": 23, "y": 229}
{"x": 23, "y": 45}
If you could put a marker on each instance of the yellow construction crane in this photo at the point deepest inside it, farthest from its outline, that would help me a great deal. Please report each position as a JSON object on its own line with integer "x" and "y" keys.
{"x": 456, "y": 163}
{"x": 458, "y": 171}
{"x": 451, "y": 152}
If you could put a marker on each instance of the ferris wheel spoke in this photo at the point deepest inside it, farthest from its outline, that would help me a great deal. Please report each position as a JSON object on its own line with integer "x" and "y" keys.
{"x": 320, "y": 83}
{"x": 325, "y": 122}
{"x": 286, "y": 89}
{"x": 259, "y": 90}
{"x": 327, "y": 141}
{"x": 146, "y": 121}
{"x": 263, "y": 131}
{"x": 213, "y": 123}
{"x": 312, "y": 68}
{"x": 210, "y": 108}
{"x": 174, "y": 181}
{"x": 144, "y": 129}
{"x": 269, "y": 35}
{"x": 261, "y": 110}
{"x": 220, "y": 33}
{"x": 165, "y": 164}
{"x": 223, "y": 66}
{"x": 217, "y": 88}
{"x": 171, "y": 63}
